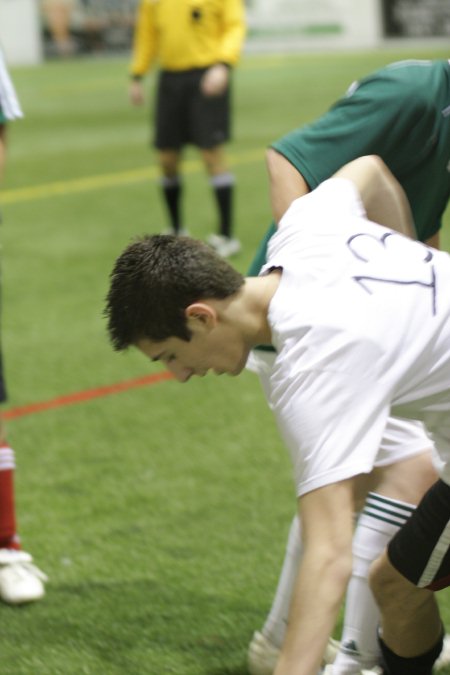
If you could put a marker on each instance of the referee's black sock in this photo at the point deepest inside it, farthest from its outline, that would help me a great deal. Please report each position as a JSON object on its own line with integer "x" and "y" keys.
{"x": 417, "y": 665}
{"x": 223, "y": 186}
{"x": 171, "y": 188}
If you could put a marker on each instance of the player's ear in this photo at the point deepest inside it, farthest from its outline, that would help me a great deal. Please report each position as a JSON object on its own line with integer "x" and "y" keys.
{"x": 200, "y": 315}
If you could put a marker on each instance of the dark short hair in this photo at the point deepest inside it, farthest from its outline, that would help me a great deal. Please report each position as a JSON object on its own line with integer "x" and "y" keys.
{"x": 155, "y": 279}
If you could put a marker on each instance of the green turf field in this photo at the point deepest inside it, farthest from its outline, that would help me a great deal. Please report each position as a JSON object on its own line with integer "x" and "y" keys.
{"x": 159, "y": 513}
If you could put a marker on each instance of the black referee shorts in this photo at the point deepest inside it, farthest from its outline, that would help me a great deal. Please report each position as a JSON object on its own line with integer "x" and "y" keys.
{"x": 185, "y": 116}
{"x": 420, "y": 549}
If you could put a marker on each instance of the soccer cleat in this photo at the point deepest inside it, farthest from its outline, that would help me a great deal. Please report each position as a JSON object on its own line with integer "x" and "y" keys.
{"x": 263, "y": 655}
{"x": 444, "y": 657}
{"x": 224, "y": 246}
{"x": 331, "y": 651}
{"x": 20, "y": 580}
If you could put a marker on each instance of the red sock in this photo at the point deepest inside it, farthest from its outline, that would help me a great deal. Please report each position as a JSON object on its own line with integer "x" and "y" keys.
{"x": 8, "y": 535}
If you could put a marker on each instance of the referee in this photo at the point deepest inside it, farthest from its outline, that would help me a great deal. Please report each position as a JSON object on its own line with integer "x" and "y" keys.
{"x": 196, "y": 44}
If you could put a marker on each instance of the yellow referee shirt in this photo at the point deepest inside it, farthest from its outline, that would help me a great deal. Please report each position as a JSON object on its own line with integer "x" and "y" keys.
{"x": 185, "y": 34}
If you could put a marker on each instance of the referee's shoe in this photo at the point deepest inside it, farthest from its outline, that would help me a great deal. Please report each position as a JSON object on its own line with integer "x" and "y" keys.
{"x": 224, "y": 246}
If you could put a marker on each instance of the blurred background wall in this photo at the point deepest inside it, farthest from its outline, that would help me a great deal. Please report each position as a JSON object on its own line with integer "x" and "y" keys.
{"x": 32, "y": 30}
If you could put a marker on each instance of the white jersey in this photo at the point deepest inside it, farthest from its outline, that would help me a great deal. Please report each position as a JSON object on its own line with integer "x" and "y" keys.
{"x": 402, "y": 438}
{"x": 9, "y": 103}
{"x": 361, "y": 326}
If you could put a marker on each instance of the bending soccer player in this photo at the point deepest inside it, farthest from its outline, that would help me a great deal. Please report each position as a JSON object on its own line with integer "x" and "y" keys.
{"x": 360, "y": 321}
{"x": 401, "y": 113}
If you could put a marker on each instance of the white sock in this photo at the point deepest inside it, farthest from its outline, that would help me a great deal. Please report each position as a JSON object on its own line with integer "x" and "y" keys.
{"x": 379, "y": 520}
{"x": 275, "y": 626}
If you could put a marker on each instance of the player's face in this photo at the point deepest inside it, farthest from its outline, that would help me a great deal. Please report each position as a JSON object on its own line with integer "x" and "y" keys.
{"x": 218, "y": 351}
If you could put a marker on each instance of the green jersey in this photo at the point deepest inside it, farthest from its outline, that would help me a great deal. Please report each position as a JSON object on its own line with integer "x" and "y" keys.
{"x": 402, "y": 114}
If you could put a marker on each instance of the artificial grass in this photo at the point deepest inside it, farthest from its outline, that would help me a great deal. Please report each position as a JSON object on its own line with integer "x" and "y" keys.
{"x": 160, "y": 514}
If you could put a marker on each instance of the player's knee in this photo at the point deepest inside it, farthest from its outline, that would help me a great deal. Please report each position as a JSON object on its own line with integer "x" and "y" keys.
{"x": 214, "y": 161}
{"x": 169, "y": 161}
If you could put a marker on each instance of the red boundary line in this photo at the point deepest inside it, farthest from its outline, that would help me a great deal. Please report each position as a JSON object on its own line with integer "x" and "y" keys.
{"x": 86, "y": 395}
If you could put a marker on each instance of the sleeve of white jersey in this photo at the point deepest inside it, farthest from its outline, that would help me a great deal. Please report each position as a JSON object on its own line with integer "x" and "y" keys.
{"x": 9, "y": 101}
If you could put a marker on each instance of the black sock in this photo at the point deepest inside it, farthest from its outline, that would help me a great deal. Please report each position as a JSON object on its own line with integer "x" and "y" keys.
{"x": 224, "y": 199}
{"x": 417, "y": 665}
{"x": 172, "y": 196}
{"x": 223, "y": 186}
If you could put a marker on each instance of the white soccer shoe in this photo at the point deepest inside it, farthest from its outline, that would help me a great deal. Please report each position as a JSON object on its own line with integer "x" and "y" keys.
{"x": 263, "y": 655}
{"x": 20, "y": 580}
{"x": 224, "y": 246}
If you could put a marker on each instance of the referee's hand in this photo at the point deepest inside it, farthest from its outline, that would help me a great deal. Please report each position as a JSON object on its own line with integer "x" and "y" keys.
{"x": 215, "y": 80}
{"x": 136, "y": 93}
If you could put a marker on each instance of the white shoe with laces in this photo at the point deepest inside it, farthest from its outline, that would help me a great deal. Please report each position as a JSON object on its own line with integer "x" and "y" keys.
{"x": 20, "y": 580}
{"x": 263, "y": 655}
{"x": 224, "y": 246}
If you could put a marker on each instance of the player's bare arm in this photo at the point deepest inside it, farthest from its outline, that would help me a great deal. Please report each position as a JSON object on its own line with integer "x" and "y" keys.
{"x": 383, "y": 197}
{"x": 327, "y": 520}
{"x": 285, "y": 183}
